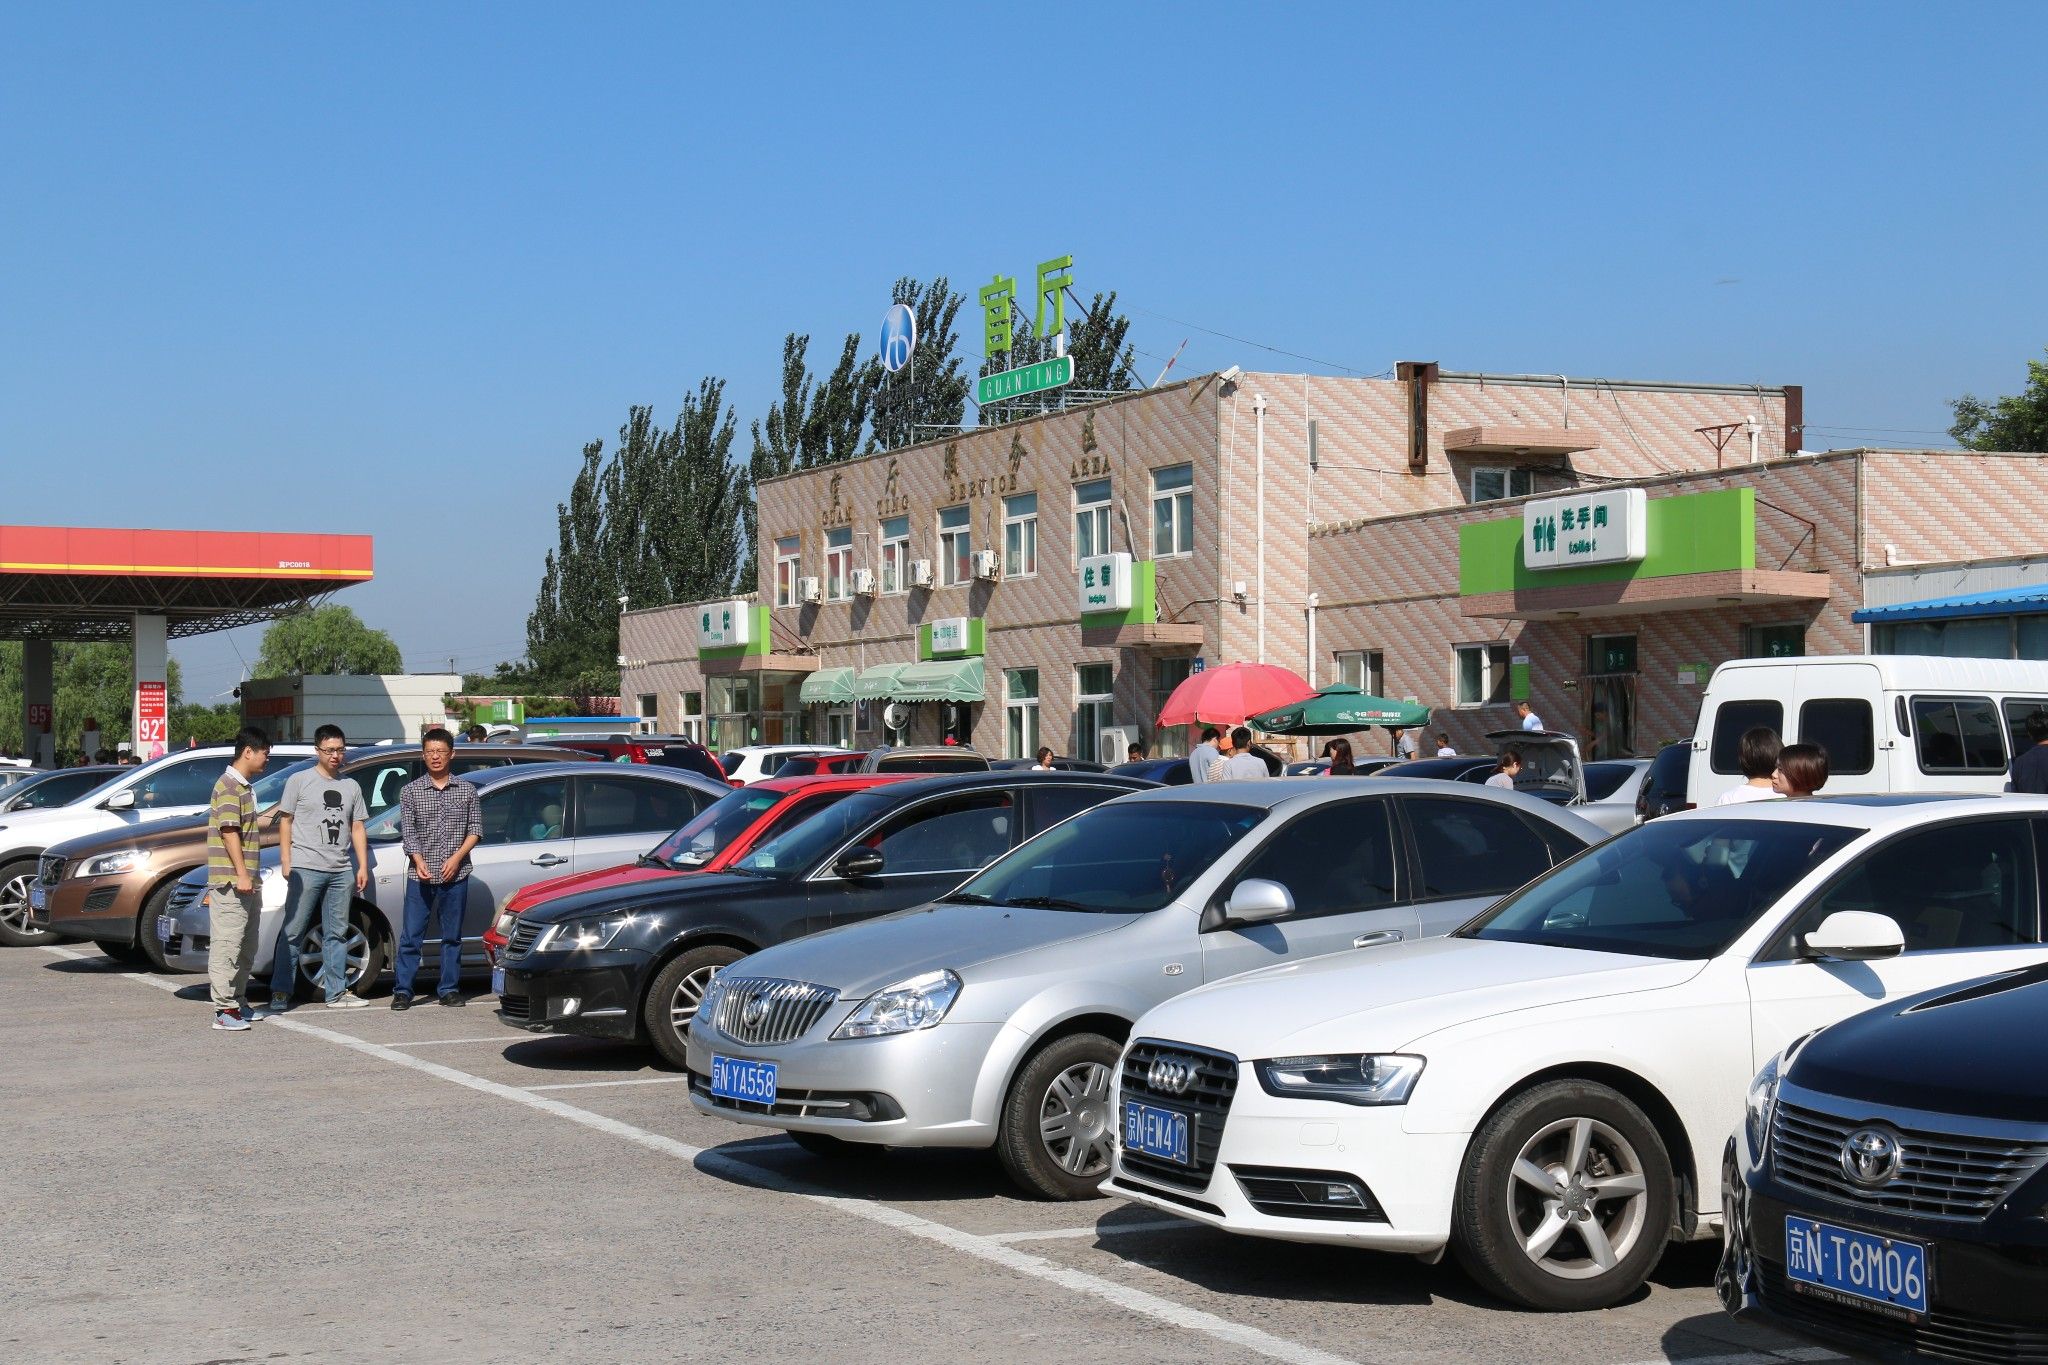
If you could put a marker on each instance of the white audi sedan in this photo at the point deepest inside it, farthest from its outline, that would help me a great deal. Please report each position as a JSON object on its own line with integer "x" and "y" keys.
{"x": 1547, "y": 1092}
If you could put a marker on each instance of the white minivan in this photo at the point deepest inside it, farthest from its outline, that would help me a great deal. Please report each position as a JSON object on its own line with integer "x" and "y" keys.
{"x": 1889, "y": 722}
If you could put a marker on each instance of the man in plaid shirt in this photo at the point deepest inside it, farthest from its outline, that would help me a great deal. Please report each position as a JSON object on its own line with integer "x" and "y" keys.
{"x": 235, "y": 906}
{"x": 439, "y": 823}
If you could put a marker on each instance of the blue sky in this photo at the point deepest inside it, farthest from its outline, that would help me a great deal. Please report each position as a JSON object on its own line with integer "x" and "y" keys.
{"x": 386, "y": 268}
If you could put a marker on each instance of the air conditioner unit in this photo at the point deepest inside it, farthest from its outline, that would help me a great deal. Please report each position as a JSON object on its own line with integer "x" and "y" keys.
{"x": 1115, "y": 741}
{"x": 986, "y": 564}
{"x": 809, "y": 590}
{"x": 863, "y": 582}
{"x": 920, "y": 573}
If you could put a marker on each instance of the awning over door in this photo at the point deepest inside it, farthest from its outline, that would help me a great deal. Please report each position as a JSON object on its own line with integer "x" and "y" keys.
{"x": 877, "y": 683}
{"x": 828, "y": 687}
{"x": 947, "y": 680}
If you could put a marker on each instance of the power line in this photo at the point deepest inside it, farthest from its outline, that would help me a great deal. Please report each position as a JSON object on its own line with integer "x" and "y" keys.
{"x": 1246, "y": 341}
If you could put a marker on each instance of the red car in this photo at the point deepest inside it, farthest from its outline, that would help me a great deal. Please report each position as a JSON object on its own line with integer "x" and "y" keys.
{"x": 725, "y": 831}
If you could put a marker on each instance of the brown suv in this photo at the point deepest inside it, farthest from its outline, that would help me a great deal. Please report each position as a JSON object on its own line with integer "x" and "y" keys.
{"x": 110, "y": 887}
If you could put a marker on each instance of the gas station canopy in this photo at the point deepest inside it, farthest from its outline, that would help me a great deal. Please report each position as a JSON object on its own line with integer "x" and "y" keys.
{"x": 68, "y": 583}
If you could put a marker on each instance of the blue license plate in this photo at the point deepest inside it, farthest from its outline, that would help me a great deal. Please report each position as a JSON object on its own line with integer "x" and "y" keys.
{"x": 497, "y": 981}
{"x": 1860, "y": 1267}
{"x": 734, "y": 1079}
{"x": 35, "y": 895}
{"x": 1155, "y": 1132}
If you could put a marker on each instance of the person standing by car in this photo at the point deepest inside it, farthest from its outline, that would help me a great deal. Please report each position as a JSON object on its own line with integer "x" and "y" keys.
{"x": 1530, "y": 720}
{"x": 2030, "y": 769}
{"x": 1134, "y": 752}
{"x": 1757, "y": 756}
{"x": 1443, "y": 745}
{"x": 1205, "y": 754}
{"x": 236, "y": 905}
{"x": 1802, "y": 770}
{"x": 1044, "y": 763}
{"x": 1342, "y": 764}
{"x": 439, "y": 823}
{"x": 1506, "y": 770}
{"x": 320, "y": 818}
{"x": 1242, "y": 765}
{"x": 1404, "y": 743}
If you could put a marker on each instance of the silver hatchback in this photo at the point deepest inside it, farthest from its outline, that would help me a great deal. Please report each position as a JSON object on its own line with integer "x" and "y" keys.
{"x": 994, "y": 1017}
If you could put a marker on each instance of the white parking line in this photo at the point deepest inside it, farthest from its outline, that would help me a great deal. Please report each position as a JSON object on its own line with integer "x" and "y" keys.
{"x": 1102, "y": 1230}
{"x": 1133, "y": 1300}
{"x": 451, "y": 1042}
{"x": 594, "y": 1085}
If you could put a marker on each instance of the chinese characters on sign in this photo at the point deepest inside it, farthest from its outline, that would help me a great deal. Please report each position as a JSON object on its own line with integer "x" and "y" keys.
{"x": 721, "y": 625}
{"x": 998, "y": 331}
{"x": 949, "y": 635}
{"x": 1105, "y": 583}
{"x": 152, "y": 731}
{"x": 1608, "y": 527}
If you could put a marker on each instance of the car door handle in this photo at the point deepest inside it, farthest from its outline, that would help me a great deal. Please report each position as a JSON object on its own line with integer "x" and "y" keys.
{"x": 548, "y": 860}
{"x": 1378, "y": 936}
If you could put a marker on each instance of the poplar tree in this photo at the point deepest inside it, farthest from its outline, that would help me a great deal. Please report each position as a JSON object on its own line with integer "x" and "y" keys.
{"x": 928, "y": 397}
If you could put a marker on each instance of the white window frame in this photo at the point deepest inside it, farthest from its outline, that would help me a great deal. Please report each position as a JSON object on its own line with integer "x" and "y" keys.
{"x": 1176, "y": 504}
{"x": 1510, "y": 475}
{"x": 1364, "y": 669}
{"x": 1091, "y": 520}
{"x": 1493, "y": 683}
{"x": 1020, "y": 536}
{"x": 895, "y": 557}
{"x": 690, "y": 723}
{"x": 1087, "y": 736}
{"x": 789, "y": 565}
{"x": 1168, "y": 741}
{"x": 956, "y": 548}
{"x": 839, "y": 564}
{"x": 1021, "y": 713}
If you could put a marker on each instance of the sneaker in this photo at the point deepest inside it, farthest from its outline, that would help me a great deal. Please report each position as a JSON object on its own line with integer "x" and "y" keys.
{"x": 348, "y": 1002}
{"x": 453, "y": 1001}
{"x": 230, "y": 1021}
{"x": 270, "y": 1011}
{"x": 401, "y": 1001}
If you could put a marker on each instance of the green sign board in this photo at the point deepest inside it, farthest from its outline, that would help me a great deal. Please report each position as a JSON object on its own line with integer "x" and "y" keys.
{"x": 1046, "y": 374}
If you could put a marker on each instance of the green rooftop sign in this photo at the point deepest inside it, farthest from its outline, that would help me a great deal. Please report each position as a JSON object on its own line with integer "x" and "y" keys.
{"x": 1046, "y": 374}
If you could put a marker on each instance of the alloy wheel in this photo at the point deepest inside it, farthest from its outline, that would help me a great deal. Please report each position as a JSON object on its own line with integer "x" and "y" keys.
{"x": 1577, "y": 1201}
{"x": 14, "y": 903}
{"x": 682, "y": 1006}
{"x": 1073, "y": 1119}
{"x": 313, "y": 952}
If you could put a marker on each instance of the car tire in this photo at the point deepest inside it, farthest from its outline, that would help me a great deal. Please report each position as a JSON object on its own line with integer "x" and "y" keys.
{"x": 365, "y": 952}
{"x": 837, "y": 1149}
{"x": 128, "y": 954}
{"x": 14, "y": 927}
{"x": 1056, "y": 1136}
{"x": 1566, "y": 1201}
{"x": 672, "y": 1000}
{"x": 158, "y": 903}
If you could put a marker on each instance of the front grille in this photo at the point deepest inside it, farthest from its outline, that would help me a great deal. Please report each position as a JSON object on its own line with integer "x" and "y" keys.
{"x": 515, "y": 1007}
{"x": 1285, "y": 1192}
{"x": 101, "y": 899}
{"x": 183, "y": 895}
{"x": 1941, "y": 1175}
{"x": 50, "y": 870}
{"x": 524, "y": 936}
{"x": 791, "y": 1103}
{"x": 1942, "y": 1335}
{"x": 1206, "y": 1102}
{"x": 763, "y": 1011}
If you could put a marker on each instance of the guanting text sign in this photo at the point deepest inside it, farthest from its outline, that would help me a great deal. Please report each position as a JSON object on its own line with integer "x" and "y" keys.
{"x": 1046, "y": 374}
{"x": 1607, "y": 527}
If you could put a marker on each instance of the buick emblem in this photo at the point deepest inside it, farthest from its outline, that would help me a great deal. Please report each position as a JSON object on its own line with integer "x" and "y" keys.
{"x": 1870, "y": 1157}
{"x": 755, "y": 1010}
{"x": 1170, "y": 1075}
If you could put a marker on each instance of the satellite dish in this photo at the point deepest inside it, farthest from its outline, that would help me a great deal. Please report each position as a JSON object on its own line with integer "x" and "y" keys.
{"x": 896, "y": 715}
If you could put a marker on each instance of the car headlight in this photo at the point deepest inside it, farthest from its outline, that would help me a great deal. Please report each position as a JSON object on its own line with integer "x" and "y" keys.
{"x": 503, "y": 927}
{"x": 905, "y": 1007}
{"x": 112, "y": 864}
{"x": 1385, "y": 1078}
{"x": 1758, "y": 1104}
{"x": 582, "y": 935}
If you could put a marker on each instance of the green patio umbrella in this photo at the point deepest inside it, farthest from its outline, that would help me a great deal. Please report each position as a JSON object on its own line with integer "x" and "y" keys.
{"x": 1339, "y": 710}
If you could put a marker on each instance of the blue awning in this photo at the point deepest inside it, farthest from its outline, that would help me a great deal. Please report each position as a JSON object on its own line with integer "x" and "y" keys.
{"x": 2023, "y": 601}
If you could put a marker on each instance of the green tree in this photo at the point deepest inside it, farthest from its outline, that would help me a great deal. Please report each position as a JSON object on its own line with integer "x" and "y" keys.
{"x": 1103, "y": 363}
{"x": 813, "y": 422}
{"x": 325, "y": 639}
{"x": 929, "y": 396}
{"x": 192, "y": 723}
{"x": 2015, "y": 422}
{"x": 87, "y": 679}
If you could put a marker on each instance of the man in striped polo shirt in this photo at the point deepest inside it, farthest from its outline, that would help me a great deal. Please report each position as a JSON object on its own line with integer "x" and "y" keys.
{"x": 439, "y": 823}
{"x": 235, "y": 906}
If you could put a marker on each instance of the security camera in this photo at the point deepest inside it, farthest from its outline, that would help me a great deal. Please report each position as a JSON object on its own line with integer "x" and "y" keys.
{"x": 1230, "y": 376}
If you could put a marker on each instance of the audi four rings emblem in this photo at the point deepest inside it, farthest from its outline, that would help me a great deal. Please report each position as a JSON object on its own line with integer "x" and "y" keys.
{"x": 1170, "y": 1075}
{"x": 1870, "y": 1157}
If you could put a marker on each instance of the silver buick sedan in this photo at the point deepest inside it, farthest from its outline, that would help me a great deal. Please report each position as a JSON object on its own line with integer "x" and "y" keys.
{"x": 994, "y": 1017}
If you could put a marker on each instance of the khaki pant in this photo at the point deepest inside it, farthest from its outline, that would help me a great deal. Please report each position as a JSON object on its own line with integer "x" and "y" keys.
{"x": 231, "y": 952}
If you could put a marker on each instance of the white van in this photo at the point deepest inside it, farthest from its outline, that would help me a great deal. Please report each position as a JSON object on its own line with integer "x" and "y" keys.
{"x": 1889, "y": 722}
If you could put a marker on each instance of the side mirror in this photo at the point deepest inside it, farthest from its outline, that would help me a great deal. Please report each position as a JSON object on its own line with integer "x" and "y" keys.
{"x": 1256, "y": 900}
{"x": 120, "y": 800}
{"x": 1855, "y": 936}
{"x": 858, "y": 862}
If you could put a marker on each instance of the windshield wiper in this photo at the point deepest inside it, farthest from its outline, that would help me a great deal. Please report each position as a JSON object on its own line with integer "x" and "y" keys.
{"x": 1049, "y": 903}
{"x": 967, "y": 898}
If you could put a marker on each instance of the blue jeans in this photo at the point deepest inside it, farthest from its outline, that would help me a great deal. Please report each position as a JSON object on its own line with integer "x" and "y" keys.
{"x": 327, "y": 891}
{"x": 441, "y": 903}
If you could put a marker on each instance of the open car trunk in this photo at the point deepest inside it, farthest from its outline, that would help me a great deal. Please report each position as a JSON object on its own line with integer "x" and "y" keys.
{"x": 1550, "y": 764}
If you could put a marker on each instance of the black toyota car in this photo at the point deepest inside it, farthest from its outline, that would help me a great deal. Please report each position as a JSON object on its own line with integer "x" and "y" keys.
{"x": 1887, "y": 1195}
{"x": 631, "y": 962}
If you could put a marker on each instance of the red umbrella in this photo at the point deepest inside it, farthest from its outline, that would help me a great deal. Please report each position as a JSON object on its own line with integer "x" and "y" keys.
{"x": 1227, "y": 695}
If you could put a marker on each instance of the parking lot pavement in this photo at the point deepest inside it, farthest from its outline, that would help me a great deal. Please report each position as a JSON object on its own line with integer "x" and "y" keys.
{"x": 382, "y": 1184}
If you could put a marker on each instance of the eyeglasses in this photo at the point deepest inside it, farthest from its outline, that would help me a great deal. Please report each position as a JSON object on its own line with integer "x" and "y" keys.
{"x": 332, "y": 749}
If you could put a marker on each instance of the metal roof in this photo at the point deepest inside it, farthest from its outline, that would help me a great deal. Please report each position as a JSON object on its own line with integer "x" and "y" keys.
{"x": 2029, "y": 599}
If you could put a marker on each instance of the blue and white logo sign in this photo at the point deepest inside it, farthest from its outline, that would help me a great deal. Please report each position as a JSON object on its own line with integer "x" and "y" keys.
{"x": 899, "y": 337}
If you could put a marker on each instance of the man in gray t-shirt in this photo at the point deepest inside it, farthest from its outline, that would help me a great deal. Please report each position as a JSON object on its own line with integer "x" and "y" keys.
{"x": 320, "y": 824}
{"x": 1243, "y": 765}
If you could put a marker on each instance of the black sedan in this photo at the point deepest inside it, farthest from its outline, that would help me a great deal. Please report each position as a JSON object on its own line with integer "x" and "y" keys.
{"x": 1885, "y": 1194}
{"x": 632, "y": 962}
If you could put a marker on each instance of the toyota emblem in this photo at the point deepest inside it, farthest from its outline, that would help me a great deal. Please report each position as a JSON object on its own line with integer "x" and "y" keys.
{"x": 1870, "y": 1157}
{"x": 1170, "y": 1075}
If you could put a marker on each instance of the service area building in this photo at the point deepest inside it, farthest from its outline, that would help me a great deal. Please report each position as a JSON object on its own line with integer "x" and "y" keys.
{"x": 1456, "y": 538}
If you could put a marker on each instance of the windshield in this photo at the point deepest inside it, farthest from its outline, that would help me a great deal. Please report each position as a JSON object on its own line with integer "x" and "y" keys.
{"x": 1677, "y": 889}
{"x": 797, "y": 849}
{"x": 1604, "y": 779}
{"x": 731, "y": 762}
{"x": 1115, "y": 859}
{"x": 717, "y": 825}
{"x": 269, "y": 788}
